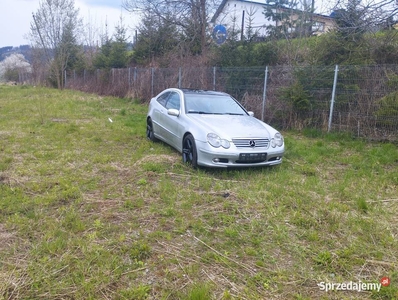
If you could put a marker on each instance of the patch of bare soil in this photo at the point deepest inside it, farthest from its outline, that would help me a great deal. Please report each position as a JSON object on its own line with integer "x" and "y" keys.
{"x": 6, "y": 237}
{"x": 162, "y": 158}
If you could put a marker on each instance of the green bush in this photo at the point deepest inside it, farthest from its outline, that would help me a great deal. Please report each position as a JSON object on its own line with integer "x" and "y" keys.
{"x": 388, "y": 109}
{"x": 298, "y": 97}
{"x": 11, "y": 75}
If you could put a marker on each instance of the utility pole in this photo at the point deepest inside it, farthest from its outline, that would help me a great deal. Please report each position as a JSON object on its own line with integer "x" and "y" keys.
{"x": 311, "y": 16}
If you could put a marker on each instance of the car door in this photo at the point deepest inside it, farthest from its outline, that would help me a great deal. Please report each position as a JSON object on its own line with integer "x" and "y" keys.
{"x": 158, "y": 115}
{"x": 171, "y": 123}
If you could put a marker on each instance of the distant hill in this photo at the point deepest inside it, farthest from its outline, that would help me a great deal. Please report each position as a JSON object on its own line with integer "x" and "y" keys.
{"x": 25, "y": 50}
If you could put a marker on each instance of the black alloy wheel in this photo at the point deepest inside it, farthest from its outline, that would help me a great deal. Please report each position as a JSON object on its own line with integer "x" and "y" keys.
{"x": 189, "y": 153}
{"x": 149, "y": 131}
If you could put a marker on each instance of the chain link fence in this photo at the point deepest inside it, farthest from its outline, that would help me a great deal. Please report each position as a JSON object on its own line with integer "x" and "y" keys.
{"x": 362, "y": 100}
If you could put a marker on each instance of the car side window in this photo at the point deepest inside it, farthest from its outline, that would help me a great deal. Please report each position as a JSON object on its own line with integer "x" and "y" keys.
{"x": 162, "y": 99}
{"x": 173, "y": 101}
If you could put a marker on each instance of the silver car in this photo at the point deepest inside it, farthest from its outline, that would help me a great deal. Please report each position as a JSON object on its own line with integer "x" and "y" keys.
{"x": 212, "y": 129}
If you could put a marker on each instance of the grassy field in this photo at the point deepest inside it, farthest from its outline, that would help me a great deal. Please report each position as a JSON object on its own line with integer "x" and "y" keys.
{"x": 90, "y": 209}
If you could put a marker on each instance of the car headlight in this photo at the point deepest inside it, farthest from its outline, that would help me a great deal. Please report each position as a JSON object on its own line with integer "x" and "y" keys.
{"x": 277, "y": 140}
{"x": 214, "y": 140}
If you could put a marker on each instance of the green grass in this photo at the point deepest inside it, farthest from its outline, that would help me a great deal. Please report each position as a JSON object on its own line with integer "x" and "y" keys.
{"x": 90, "y": 209}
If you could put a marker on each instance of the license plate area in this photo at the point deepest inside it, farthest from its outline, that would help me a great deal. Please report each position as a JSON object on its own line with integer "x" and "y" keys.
{"x": 252, "y": 157}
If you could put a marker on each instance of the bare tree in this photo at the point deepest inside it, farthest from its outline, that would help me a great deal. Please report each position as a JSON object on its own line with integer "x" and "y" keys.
{"x": 55, "y": 28}
{"x": 190, "y": 16}
{"x": 359, "y": 16}
{"x": 91, "y": 39}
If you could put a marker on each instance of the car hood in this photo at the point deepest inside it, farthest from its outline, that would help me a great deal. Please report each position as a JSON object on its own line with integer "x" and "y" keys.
{"x": 227, "y": 126}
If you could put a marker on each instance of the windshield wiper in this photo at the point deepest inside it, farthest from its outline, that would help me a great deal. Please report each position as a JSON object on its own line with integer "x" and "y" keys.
{"x": 203, "y": 112}
{"x": 233, "y": 114}
{"x": 198, "y": 112}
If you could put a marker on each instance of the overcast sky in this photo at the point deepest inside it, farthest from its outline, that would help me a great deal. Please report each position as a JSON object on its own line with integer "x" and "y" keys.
{"x": 16, "y": 15}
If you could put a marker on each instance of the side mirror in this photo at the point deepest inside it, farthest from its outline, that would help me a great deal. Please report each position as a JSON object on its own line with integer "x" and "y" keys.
{"x": 173, "y": 112}
{"x": 251, "y": 114}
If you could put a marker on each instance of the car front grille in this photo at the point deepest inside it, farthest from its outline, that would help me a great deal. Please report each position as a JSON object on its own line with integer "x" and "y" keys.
{"x": 251, "y": 143}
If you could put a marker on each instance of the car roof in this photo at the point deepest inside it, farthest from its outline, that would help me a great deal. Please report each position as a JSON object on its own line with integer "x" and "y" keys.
{"x": 203, "y": 92}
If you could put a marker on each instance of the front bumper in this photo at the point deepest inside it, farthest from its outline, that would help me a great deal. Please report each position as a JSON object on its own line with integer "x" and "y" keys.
{"x": 236, "y": 157}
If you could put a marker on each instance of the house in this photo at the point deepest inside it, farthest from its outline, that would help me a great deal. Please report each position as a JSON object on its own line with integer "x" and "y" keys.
{"x": 240, "y": 15}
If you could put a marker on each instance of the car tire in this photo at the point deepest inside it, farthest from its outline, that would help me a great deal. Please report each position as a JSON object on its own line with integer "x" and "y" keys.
{"x": 149, "y": 131}
{"x": 189, "y": 153}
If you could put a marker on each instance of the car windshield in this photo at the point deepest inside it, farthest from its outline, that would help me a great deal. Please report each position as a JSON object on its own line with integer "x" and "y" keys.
{"x": 212, "y": 104}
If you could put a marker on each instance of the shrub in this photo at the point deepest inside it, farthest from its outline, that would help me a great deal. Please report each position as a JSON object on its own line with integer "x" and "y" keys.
{"x": 388, "y": 109}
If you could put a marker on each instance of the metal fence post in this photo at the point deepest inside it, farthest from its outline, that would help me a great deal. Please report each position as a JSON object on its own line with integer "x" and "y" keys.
{"x": 336, "y": 71}
{"x": 65, "y": 79}
{"x": 264, "y": 93}
{"x": 152, "y": 83}
{"x": 179, "y": 77}
{"x": 214, "y": 78}
{"x": 129, "y": 77}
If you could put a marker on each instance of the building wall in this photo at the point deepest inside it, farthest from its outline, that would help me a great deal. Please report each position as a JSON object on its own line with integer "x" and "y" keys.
{"x": 234, "y": 11}
{"x": 326, "y": 24}
{"x": 252, "y": 14}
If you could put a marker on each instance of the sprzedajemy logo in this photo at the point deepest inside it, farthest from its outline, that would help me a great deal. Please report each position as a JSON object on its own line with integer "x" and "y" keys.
{"x": 358, "y": 286}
